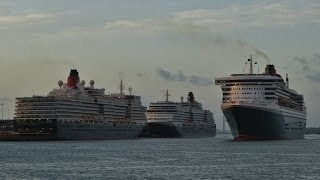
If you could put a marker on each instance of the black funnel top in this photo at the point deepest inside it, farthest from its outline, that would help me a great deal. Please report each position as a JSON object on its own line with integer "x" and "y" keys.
{"x": 74, "y": 73}
{"x": 191, "y": 97}
{"x": 270, "y": 70}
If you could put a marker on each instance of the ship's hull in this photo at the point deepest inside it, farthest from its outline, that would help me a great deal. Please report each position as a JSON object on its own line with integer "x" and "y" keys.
{"x": 97, "y": 131}
{"x": 257, "y": 123}
{"x": 168, "y": 129}
{"x": 71, "y": 131}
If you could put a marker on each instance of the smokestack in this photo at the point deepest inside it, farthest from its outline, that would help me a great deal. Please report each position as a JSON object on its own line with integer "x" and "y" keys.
{"x": 73, "y": 79}
{"x": 270, "y": 70}
{"x": 191, "y": 97}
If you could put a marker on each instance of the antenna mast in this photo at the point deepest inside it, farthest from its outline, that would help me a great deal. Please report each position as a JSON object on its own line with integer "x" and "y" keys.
{"x": 167, "y": 95}
{"x": 130, "y": 91}
{"x": 251, "y": 65}
{"x": 121, "y": 87}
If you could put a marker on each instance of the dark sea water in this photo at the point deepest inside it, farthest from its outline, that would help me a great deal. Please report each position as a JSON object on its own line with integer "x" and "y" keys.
{"x": 204, "y": 158}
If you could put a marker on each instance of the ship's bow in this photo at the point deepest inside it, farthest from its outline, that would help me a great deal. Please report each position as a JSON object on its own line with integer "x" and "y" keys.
{"x": 254, "y": 123}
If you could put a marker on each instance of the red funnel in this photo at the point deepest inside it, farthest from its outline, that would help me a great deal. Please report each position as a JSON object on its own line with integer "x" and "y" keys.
{"x": 73, "y": 79}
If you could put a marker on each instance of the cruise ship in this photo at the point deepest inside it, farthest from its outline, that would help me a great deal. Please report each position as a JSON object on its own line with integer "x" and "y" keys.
{"x": 179, "y": 119}
{"x": 262, "y": 106}
{"x": 76, "y": 111}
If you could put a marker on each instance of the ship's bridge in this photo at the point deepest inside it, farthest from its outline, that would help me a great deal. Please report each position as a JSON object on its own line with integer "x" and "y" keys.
{"x": 248, "y": 79}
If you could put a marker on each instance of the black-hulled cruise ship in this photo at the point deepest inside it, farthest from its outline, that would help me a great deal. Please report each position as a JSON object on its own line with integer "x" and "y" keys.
{"x": 179, "y": 119}
{"x": 76, "y": 111}
{"x": 262, "y": 106}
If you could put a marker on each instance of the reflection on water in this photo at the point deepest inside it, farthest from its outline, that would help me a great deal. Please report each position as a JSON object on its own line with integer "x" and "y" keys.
{"x": 204, "y": 158}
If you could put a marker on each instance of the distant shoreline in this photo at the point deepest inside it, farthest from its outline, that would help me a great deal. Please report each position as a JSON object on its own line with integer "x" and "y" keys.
{"x": 312, "y": 130}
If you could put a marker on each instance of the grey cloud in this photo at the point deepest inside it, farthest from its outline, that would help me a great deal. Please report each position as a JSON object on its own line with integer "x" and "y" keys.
{"x": 166, "y": 75}
{"x": 303, "y": 62}
{"x": 314, "y": 77}
{"x": 204, "y": 36}
{"x": 139, "y": 74}
{"x": 229, "y": 17}
{"x": 181, "y": 77}
{"x": 306, "y": 68}
{"x": 265, "y": 14}
{"x": 207, "y": 39}
{"x": 316, "y": 58}
{"x": 200, "y": 81}
{"x": 309, "y": 67}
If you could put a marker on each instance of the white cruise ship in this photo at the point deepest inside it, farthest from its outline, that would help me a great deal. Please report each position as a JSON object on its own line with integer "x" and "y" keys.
{"x": 179, "y": 119}
{"x": 262, "y": 106}
{"x": 76, "y": 111}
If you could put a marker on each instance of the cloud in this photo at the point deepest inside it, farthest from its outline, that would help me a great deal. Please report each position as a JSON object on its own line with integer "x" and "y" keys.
{"x": 139, "y": 74}
{"x": 181, "y": 77}
{"x": 200, "y": 81}
{"x": 316, "y": 59}
{"x": 26, "y": 18}
{"x": 198, "y": 34}
{"x": 309, "y": 67}
{"x": 166, "y": 75}
{"x": 314, "y": 77}
{"x": 123, "y": 24}
{"x": 257, "y": 15}
{"x": 301, "y": 60}
{"x": 234, "y": 16}
{"x": 303, "y": 63}
{"x": 196, "y": 23}
{"x": 261, "y": 14}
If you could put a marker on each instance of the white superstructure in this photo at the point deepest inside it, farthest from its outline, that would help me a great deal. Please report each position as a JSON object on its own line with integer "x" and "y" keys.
{"x": 79, "y": 108}
{"x": 181, "y": 115}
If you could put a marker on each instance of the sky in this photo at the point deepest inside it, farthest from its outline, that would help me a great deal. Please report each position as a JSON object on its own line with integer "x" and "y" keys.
{"x": 154, "y": 45}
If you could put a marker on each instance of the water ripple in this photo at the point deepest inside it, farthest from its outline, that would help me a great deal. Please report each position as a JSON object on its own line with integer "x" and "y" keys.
{"x": 204, "y": 158}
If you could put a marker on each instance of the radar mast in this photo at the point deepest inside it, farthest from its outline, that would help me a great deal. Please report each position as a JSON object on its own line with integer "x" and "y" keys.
{"x": 167, "y": 95}
{"x": 121, "y": 87}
